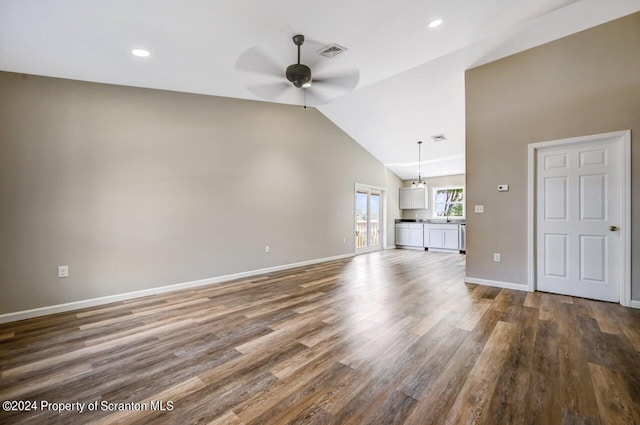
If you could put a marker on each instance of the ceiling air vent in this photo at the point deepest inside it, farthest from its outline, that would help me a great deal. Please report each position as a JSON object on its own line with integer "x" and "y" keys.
{"x": 439, "y": 138}
{"x": 331, "y": 50}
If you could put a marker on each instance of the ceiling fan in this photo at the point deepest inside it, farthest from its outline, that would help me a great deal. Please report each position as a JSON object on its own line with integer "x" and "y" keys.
{"x": 300, "y": 85}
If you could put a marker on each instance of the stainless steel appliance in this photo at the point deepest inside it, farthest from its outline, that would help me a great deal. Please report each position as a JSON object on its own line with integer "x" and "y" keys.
{"x": 463, "y": 238}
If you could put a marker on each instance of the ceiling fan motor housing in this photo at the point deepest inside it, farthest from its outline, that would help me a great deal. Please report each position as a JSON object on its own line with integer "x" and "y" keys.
{"x": 298, "y": 74}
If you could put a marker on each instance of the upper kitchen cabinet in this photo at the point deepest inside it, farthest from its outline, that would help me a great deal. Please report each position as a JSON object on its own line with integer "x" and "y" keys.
{"x": 413, "y": 198}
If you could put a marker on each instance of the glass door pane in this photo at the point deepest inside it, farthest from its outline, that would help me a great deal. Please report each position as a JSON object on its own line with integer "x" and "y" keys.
{"x": 374, "y": 219}
{"x": 361, "y": 218}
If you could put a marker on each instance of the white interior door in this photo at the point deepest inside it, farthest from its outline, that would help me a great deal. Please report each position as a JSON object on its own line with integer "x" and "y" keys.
{"x": 578, "y": 216}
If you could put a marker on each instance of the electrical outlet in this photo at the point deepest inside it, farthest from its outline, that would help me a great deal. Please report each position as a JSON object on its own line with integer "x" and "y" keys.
{"x": 267, "y": 249}
{"x": 63, "y": 271}
{"x": 479, "y": 209}
{"x": 496, "y": 257}
{"x": 344, "y": 240}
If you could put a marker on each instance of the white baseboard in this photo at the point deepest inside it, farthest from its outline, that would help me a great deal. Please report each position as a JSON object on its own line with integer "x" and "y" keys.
{"x": 75, "y": 305}
{"x": 497, "y": 283}
{"x": 634, "y": 304}
{"x": 390, "y": 247}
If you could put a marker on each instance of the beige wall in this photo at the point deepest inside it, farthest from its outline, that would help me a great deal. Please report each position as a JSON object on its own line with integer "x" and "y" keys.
{"x": 587, "y": 83}
{"x": 136, "y": 188}
{"x": 453, "y": 180}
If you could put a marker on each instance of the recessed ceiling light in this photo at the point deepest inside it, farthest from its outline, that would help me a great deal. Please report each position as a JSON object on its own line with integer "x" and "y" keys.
{"x": 140, "y": 53}
{"x": 435, "y": 23}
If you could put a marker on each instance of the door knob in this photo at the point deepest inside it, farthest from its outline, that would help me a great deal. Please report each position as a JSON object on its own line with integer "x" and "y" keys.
{"x": 613, "y": 228}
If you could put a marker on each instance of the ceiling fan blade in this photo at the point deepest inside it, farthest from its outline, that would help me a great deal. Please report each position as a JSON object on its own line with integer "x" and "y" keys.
{"x": 270, "y": 91}
{"x": 347, "y": 81}
{"x": 256, "y": 61}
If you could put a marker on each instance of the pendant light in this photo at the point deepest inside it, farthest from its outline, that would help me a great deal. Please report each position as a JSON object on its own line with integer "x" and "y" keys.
{"x": 420, "y": 182}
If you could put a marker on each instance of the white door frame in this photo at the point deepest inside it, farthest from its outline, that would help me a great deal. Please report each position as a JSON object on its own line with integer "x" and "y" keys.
{"x": 624, "y": 139}
{"x": 383, "y": 216}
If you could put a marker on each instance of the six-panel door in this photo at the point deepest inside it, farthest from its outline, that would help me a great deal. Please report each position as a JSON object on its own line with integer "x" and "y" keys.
{"x": 577, "y": 199}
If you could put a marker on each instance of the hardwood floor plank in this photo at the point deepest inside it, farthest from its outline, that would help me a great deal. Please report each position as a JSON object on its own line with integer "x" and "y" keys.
{"x": 296, "y": 403}
{"x": 174, "y": 308}
{"x": 607, "y": 322}
{"x": 477, "y": 392}
{"x": 509, "y": 399}
{"x": 429, "y": 321}
{"x": 614, "y": 403}
{"x": 85, "y": 352}
{"x": 440, "y": 394}
{"x": 212, "y": 401}
{"x": 435, "y": 356}
{"x": 577, "y": 396}
{"x": 533, "y": 300}
{"x": 543, "y": 401}
{"x": 572, "y": 418}
{"x": 256, "y": 408}
{"x": 469, "y": 320}
{"x": 393, "y": 410}
{"x": 229, "y": 418}
{"x": 7, "y": 335}
{"x": 60, "y": 376}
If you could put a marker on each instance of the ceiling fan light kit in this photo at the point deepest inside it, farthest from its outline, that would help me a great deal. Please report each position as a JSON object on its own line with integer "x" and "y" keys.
{"x": 298, "y": 74}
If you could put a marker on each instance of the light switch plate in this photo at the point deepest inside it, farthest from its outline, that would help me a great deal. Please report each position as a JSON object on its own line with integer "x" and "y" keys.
{"x": 63, "y": 271}
{"x": 479, "y": 209}
{"x": 503, "y": 188}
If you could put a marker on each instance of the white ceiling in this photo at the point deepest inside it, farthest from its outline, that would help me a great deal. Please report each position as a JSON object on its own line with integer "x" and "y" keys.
{"x": 411, "y": 77}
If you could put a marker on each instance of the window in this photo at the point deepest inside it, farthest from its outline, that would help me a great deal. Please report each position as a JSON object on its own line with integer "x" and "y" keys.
{"x": 448, "y": 201}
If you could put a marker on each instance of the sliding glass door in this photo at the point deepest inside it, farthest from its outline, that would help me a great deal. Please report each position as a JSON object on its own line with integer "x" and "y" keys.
{"x": 368, "y": 214}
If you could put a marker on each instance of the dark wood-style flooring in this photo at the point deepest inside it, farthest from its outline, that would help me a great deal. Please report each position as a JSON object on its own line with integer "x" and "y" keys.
{"x": 393, "y": 337}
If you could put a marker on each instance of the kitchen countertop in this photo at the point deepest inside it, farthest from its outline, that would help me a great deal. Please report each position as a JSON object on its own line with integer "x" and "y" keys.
{"x": 431, "y": 220}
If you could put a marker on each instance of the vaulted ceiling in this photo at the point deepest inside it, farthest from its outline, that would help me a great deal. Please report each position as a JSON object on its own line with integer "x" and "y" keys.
{"x": 411, "y": 77}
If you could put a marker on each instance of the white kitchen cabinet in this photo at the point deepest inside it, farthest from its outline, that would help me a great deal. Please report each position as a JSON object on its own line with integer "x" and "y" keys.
{"x": 405, "y": 198}
{"x": 419, "y": 198}
{"x": 442, "y": 236}
{"x": 451, "y": 239}
{"x": 402, "y": 234}
{"x": 410, "y": 235}
{"x": 433, "y": 238}
{"x": 416, "y": 235}
{"x": 413, "y": 198}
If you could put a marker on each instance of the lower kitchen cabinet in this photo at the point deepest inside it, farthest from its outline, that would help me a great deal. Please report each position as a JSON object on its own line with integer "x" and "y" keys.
{"x": 402, "y": 235}
{"x": 416, "y": 235}
{"x": 410, "y": 234}
{"x": 451, "y": 239}
{"x": 442, "y": 236}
